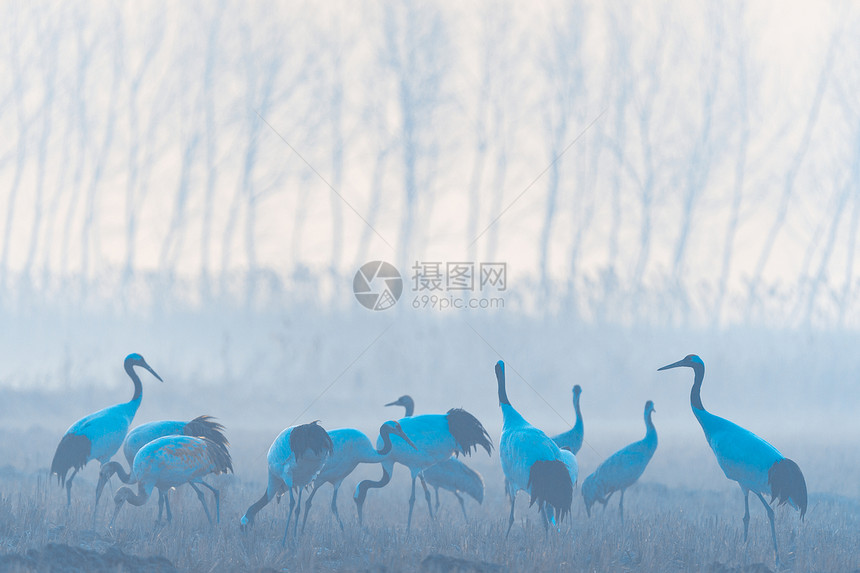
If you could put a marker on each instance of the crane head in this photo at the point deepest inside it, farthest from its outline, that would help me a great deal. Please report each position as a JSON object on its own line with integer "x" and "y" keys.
{"x": 404, "y": 401}
{"x": 577, "y": 390}
{"x": 135, "y": 359}
{"x": 649, "y": 407}
{"x": 690, "y": 361}
{"x": 393, "y": 427}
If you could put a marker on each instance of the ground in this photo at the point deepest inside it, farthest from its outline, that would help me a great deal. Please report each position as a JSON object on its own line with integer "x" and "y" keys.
{"x": 668, "y": 526}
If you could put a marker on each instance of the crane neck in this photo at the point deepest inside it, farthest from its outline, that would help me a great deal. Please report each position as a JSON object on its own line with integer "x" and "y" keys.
{"x": 650, "y": 430}
{"x": 503, "y": 394}
{"x": 410, "y": 409}
{"x": 578, "y": 423}
{"x": 385, "y": 434}
{"x": 128, "y": 495}
{"x": 695, "y": 392}
{"x": 138, "y": 387}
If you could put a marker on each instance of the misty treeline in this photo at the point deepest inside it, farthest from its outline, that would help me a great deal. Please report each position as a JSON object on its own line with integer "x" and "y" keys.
{"x": 630, "y": 162}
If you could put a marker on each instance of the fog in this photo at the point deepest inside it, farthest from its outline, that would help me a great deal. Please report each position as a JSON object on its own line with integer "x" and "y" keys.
{"x": 200, "y": 182}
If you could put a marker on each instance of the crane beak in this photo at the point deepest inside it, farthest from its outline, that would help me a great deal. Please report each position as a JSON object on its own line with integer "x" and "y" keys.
{"x": 403, "y": 435}
{"x": 682, "y": 362}
{"x": 151, "y": 371}
{"x": 395, "y": 403}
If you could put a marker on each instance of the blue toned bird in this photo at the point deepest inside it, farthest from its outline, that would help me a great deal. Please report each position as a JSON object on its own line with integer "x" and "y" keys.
{"x": 294, "y": 460}
{"x": 351, "y": 447}
{"x": 451, "y": 474}
{"x": 456, "y": 477}
{"x": 170, "y": 462}
{"x": 200, "y": 427}
{"x": 532, "y": 462}
{"x": 436, "y": 437}
{"x": 621, "y": 469}
{"x": 99, "y": 435}
{"x": 756, "y": 465}
{"x": 572, "y": 439}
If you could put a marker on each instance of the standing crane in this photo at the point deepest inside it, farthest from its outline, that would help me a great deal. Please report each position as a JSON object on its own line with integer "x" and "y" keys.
{"x": 351, "y": 447}
{"x": 169, "y": 462}
{"x": 572, "y": 439}
{"x": 200, "y": 427}
{"x": 451, "y": 474}
{"x": 295, "y": 459}
{"x": 532, "y": 462}
{"x": 99, "y": 435}
{"x": 621, "y": 470}
{"x": 436, "y": 438}
{"x": 756, "y": 465}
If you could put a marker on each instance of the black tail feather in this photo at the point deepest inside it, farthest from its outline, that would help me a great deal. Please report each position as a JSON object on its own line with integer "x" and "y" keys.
{"x": 468, "y": 432}
{"x": 310, "y": 437}
{"x": 549, "y": 484}
{"x": 73, "y": 452}
{"x": 787, "y": 484}
{"x": 206, "y": 427}
{"x": 219, "y": 455}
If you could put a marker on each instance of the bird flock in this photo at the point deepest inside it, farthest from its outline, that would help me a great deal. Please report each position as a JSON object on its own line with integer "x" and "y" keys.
{"x": 166, "y": 454}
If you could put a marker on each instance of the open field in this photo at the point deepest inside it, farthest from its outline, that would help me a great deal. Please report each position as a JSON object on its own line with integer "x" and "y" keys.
{"x": 669, "y": 526}
{"x": 796, "y": 389}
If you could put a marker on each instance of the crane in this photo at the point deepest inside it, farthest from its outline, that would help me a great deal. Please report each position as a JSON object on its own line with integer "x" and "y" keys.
{"x": 99, "y": 435}
{"x": 532, "y": 462}
{"x": 294, "y": 460}
{"x": 171, "y": 461}
{"x": 744, "y": 457}
{"x": 351, "y": 447}
{"x": 572, "y": 439}
{"x": 451, "y": 474}
{"x": 621, "y": 469}
{"x": 200, "y": 427}
{"x": 436, "y": 438}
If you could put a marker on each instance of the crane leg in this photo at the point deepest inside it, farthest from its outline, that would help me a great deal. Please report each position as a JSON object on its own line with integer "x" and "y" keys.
{"x": 770, "y": 516}
{"x": 621, "y": 506}
{"x": 462, "y": 503}
{"x": 167, "y": 506}
{"x": 69, "y": 487}
{"x": 437, "y": 498}
{"x": 160, "y": 506}
{"x": 545, "y": 521}
{"x": 411, "y": 504}
{"x": 202, "y": 501}
{"x": 746, "y": 513}
{"x": 217, "y": 495}
{"x": 426, "y": 495}
{"x": 511, "y": 518}
{"x": 298, "y": 513}
{"x": 289, "y": 517}
{"x": 115, "y": 513}
{"x": 333, "y": 504}
{"x": 308, "y": 505}
{"x": 95, "y": 509}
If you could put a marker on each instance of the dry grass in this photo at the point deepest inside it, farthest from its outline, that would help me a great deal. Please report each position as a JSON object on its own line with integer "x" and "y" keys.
{"x": 666, "y": 529}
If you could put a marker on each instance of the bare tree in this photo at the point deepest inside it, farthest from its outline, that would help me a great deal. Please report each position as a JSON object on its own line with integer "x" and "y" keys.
{"x": 562, "y": 65}
{"x": 701, "y": 156}
{"x": 48, "y": 64}
{"x": 414, "y": 53}
{"x": 740, "y": 165}
{"x": 24, "y": 123}
{"x": 793, "y": 168}
{"x": 134, "y": 192}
